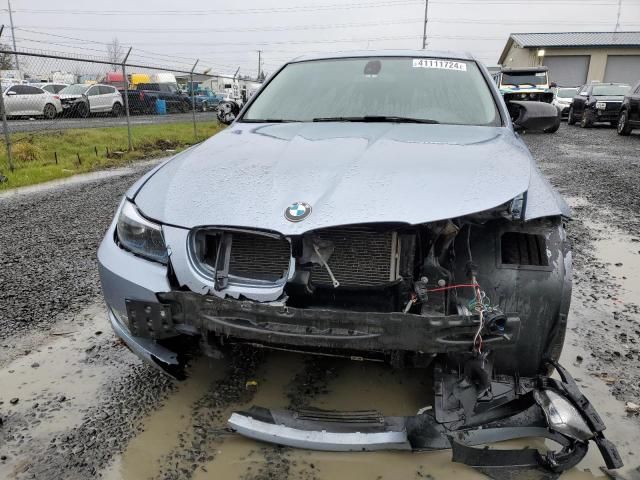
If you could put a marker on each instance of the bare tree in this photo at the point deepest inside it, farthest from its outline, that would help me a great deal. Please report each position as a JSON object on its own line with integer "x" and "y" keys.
{"x": 6, "y": 59}
{"x": 114, "y": 53}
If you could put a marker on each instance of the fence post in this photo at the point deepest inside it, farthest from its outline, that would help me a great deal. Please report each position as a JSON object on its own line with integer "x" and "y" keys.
{"x": 5, "y": 129}
{"x": 193, "y": 101}
{"x": 126, "y": 97}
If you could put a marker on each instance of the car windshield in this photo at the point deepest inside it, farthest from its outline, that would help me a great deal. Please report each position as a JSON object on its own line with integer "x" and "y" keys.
{"x": 77, "y": 89}
{"x": 377, "y": 89}
{"x": 567, "y": 92}
{"x": 524, "y": 78}
{"x": 601, "y": 90}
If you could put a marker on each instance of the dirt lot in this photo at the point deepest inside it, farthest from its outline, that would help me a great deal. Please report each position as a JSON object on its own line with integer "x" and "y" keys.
{"x": 75, "y": 404}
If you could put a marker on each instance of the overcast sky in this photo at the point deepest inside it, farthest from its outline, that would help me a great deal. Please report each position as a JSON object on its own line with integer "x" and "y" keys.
{"x": 226, "y": 35}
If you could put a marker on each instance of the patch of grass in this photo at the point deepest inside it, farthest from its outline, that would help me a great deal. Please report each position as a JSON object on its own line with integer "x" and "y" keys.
{"x": 34, "y": 154}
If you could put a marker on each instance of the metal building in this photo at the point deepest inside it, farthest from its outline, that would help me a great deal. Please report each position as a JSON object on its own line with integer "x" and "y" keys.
{"x": 575, "y": 58}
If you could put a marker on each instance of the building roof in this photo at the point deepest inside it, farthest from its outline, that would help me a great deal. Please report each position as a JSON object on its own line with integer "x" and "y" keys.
{"x": 572, "y": 40}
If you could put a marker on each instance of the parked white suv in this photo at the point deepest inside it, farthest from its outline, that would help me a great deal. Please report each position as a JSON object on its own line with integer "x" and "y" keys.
{"x": 25, "y": 100}
{"x": 81, "y": 99}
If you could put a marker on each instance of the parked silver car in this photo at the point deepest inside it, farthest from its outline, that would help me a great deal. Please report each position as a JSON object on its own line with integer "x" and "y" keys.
{"x": 50, "y": 87}
{"x": 374, "y": 206}
{"x": 26, "y": 100}
{"x": 562, "y": 99}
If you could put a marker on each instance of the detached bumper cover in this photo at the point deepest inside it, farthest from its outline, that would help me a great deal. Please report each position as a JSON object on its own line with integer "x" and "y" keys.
{"x": 526, "y": 414}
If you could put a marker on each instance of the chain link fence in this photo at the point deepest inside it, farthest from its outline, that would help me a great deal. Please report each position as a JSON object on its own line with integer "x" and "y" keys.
{"x": 76, "y": 114}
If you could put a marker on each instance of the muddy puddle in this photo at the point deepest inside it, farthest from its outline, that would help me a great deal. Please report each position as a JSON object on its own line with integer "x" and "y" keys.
{"x": 353, "y": 385}
{"x": 621, "y": 254}
{"x": 53, "y": 381}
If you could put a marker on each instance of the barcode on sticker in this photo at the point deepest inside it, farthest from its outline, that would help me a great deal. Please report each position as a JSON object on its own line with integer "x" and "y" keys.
{"x": 442, "y": 64}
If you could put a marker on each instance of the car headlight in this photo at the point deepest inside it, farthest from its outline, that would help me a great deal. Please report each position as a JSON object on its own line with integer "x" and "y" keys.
{"x": 139, "y": 235}
{"x": 601, "y": 105}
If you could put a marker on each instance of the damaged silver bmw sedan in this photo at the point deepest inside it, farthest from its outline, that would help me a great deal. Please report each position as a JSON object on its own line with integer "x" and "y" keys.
{"x": 371, "y": 205}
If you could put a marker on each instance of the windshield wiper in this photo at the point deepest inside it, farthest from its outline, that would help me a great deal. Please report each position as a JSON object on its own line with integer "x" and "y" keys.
{"x": 376, "y": 118}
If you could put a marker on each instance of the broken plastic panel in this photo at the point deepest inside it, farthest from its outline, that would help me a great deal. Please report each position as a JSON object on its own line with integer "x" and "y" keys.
{"x": 465, "y": 414}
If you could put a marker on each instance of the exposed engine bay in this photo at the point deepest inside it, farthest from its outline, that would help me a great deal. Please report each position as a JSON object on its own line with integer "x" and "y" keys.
{"x": 394, "y": 292}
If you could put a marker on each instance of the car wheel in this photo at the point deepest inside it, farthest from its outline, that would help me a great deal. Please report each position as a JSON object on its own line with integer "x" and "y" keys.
{"x": 586, "y": 121}
{"x": 83, "y": 110}
{"x": 205, "y": 107}
{"x": 571, "y": 120}
{"x": 553, "y": 129}
{"x": 49, "y": 111}
{"x": 623, "y": 125}
{"x": 116, "y": 110}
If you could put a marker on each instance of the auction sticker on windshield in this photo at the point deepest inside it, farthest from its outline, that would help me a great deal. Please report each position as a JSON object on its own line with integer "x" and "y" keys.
{"x": 438, "y": 63}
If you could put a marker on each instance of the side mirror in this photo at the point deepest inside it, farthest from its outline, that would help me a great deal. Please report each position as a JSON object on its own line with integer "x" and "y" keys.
{"x": 11, "y": 92}
{"x": 227, "y": 112}
{"x": 533, "y": 115}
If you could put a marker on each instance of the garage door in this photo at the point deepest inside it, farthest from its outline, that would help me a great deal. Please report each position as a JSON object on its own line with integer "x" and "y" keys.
{"x": 623, "y": 68}
{"x": 568, "y": 70}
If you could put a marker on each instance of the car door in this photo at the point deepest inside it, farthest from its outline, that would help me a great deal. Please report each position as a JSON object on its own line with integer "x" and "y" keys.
{"x": 12, "y": 103}
{"x": 106, "y": 97}
{"x": 93, "y": 96}
{"x": 34, "y": 99}
{"x": 634, "y": 105}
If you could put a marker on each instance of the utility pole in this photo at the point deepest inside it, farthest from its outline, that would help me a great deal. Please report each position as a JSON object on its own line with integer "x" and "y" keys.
{"x": 13, "y": 34}
{"x": 424, "y": 32}
{"x": 126, "y": 98}
{"x": 618, "y": 18}
{"x": 259, "y": 64}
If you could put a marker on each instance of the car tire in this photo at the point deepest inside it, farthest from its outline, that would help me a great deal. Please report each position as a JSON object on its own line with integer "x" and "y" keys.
{"x": 49, "y": 111}
{"x": 116, "y": 110}
{"x": 623, "y": 126}
{"x": 82, "y": 110}
{"x": 571, "y": 120}
{"x": 586, "y": 121}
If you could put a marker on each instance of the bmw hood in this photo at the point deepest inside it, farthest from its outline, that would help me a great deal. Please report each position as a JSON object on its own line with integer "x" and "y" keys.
{"x": 347, "y": 173}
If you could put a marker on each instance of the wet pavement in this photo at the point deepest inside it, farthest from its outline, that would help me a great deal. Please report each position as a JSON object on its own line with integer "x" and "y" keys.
{"x": 87, "y": 408}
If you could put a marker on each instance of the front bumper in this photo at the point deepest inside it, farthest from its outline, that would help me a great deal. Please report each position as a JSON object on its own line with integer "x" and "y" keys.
{"x": 273, "y": 324}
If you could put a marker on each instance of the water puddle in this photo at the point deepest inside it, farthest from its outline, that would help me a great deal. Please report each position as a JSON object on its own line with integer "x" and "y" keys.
{"x": 51, "y": 383}
{"x": 161, "y": 431}
{"x": 354, "y": 385}
{"x": 621, "y": 254}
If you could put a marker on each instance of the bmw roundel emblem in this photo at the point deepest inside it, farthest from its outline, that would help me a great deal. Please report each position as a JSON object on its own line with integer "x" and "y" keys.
{"x": 297, "y": 211}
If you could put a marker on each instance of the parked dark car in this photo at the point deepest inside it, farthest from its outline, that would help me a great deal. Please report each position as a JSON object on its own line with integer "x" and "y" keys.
{"x": 629, "y": 117}
{"x": 597, "y": 102}
{"x": 205, "y": 99}
{"x": 143, "y": 98}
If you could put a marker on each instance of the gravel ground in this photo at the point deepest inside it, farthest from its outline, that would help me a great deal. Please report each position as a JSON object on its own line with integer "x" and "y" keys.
{"x": 75, "y": 404}
{"x": 600, "y": 169}
{"x": 48, "y": 242}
